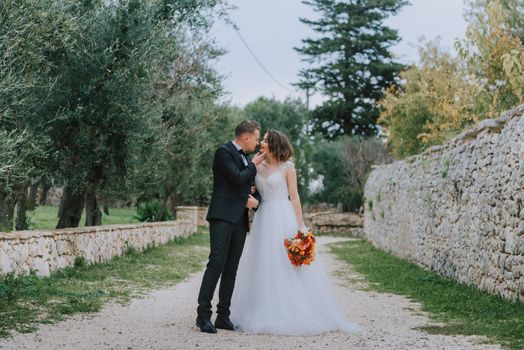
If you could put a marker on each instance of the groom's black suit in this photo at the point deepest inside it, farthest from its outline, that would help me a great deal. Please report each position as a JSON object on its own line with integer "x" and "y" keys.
{"x": 228, "y": 224}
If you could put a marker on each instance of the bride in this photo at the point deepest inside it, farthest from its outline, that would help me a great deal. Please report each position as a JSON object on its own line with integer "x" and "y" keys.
{"x": 271, "y": 295}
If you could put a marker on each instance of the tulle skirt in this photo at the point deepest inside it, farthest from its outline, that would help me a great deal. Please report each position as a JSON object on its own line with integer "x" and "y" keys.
{"x": 271, "y": 295}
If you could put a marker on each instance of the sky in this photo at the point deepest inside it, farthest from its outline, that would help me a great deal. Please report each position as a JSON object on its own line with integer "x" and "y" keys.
{"x": 271, "y": 28}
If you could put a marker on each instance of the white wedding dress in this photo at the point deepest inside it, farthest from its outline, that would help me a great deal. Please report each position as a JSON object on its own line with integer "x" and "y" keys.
{"x": 271, "y": 295}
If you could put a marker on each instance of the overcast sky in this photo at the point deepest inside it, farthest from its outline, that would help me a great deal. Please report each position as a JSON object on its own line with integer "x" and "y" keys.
{"x": 272, "y": 28}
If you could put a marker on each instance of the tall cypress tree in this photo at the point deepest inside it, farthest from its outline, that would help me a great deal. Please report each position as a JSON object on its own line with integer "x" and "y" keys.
{"x": 350, "y": 63}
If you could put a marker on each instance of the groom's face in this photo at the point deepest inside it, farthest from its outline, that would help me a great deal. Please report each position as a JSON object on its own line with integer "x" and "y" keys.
{"x": 251, "y": 141}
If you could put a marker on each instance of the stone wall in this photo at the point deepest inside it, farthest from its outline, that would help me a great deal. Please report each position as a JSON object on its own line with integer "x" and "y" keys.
{"x": 458, "y": 208}
{"x": 197, "y": 214}
{"x": 328, "y": 221}
{"x": 47, "y": 251}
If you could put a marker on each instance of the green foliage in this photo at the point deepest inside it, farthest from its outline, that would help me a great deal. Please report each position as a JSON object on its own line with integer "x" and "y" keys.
{"x": 31, "y": 32}
{"x": 10, "y": 287}
{"x": 445, "y": 169}
{"x": 463, "y": 309}
{"x": 80, "y": 261}
{"x": 287, "y": 116}
{"x": 513, "y": 65}
{"x": 512, "y": 9}
{"x": 192, "y": 125}
{"x": 150, "y": 211}
{"x": 343, "y": 167}
{"x": 111, "y": 98}
{"x": 21, "y": 157}
{"x": 108, "y": 82}
{"x": 494, "y": 41}
{"x": 445, "y": 94}
{"x": 435, "y": 102}
{"x": 131, "y": 251}
{"x": 351, "y": 63}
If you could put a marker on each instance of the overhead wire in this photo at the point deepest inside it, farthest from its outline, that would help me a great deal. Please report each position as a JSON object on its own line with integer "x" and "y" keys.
{"x": 244, "y": 41}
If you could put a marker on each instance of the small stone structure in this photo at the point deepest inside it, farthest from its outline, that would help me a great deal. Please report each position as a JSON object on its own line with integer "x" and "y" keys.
{"x": 457, "y": 208}
{"x": 196, "y": 214}
{"x": 327, "y": 221}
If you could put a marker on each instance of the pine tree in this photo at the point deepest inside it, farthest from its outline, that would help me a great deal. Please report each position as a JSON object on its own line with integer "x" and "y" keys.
{"x": 350, "y": 63}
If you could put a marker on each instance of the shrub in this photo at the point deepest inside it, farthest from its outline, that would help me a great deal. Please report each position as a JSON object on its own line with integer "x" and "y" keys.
{"x": 150, "y": 212}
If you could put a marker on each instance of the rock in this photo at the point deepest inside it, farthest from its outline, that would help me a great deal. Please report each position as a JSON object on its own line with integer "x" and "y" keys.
{"x": 41, "y": 266}
{"x": 6, "y": 264}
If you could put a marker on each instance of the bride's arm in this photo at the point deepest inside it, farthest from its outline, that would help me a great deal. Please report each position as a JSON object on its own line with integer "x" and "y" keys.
{"x": 291, "y": 180}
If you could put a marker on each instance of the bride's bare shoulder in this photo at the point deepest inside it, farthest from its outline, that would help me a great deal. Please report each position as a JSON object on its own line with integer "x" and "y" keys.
{"x": 289, "y": 164}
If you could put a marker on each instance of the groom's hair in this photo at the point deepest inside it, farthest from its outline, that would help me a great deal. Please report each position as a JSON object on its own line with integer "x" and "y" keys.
{"x": 246, "y": 126}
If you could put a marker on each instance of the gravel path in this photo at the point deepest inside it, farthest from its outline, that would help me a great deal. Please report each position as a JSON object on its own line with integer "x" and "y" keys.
{"x": 164, "y": 319}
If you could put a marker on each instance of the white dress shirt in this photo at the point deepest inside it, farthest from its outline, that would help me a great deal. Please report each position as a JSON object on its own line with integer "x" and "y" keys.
{"x": 241, "y": 155}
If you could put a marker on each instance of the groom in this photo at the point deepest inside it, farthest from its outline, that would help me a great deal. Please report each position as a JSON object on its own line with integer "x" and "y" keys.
{"x": 233, "y": 175}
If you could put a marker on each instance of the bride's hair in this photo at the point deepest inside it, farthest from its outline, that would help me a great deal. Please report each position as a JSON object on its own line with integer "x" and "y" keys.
{"x": 279, "y": 145}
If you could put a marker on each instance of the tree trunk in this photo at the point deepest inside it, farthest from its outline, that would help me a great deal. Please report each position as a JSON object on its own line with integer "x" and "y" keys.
{"x": 163, "y": 205}
{"x": 33, "y": 191}
{"x": 105, "y": 205}
{"x": 45, "y": 189}
{"x": 71, "y": 208}
{"x": 93, "y": 213}
{"x": 173, "y": 202}
{"x": 7, "y": 209}
{"x": 161, "y": 210}
{"x": 21, "y": 217}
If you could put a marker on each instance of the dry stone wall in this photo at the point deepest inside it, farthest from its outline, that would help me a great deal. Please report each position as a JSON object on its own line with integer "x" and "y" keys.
{"x": 457, "y": 208}
{"x": 46, "y": 251}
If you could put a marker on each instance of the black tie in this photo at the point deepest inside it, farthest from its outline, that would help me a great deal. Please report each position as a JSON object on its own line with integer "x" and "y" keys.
{"x": 243, "y": 156}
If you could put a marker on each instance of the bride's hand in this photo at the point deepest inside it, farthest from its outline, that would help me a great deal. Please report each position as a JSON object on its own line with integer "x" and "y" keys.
{"x": 304, "y": 228}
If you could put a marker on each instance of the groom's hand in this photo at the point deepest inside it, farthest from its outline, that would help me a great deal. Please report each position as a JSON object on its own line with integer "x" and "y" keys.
{"x": 258, "y": 158}
{"x": 251, "y": 202}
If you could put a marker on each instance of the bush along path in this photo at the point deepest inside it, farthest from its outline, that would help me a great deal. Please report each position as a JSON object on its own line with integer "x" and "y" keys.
{"x": 164, "y": 318}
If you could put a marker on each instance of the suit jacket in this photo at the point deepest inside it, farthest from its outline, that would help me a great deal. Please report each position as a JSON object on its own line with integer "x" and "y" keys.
{"x": 232, "y": 182}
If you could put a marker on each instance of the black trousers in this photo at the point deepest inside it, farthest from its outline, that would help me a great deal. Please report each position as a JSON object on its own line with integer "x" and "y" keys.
{"x": 227, "y": 242}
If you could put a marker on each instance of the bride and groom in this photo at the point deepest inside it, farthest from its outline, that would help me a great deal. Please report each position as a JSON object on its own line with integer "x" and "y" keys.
{"x": 270, "y": 294}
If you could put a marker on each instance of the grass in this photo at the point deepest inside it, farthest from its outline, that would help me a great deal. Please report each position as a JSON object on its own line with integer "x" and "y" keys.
{"x": 46, "y": 217}
{"x": 462, "y": 308}
{"x": 26, "y": 301}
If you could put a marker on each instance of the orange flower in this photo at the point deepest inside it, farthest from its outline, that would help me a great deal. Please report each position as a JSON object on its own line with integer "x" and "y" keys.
{"x": 301, "y": 248}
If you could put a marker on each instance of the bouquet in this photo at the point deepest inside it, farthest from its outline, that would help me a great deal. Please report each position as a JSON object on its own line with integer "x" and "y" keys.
{"x": 301, "y": 249}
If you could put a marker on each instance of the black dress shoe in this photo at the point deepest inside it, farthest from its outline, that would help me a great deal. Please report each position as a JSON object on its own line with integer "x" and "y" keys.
{"x": 224, "y": 323}
{"x": 205, "y": 326}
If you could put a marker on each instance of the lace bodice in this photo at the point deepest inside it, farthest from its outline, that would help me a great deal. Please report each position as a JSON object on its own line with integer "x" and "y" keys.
{"x": 272, "y": 184}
